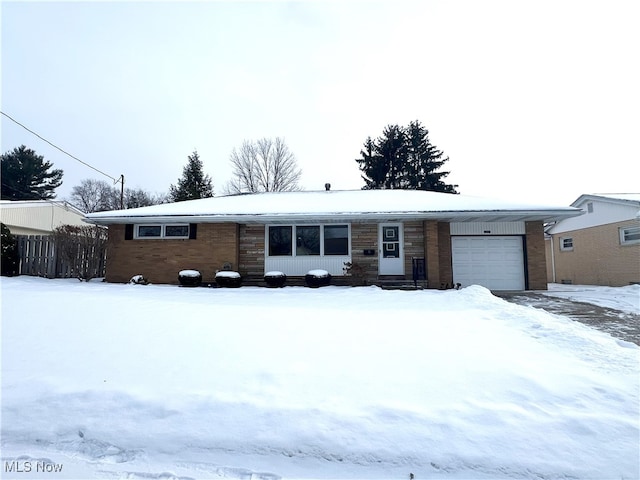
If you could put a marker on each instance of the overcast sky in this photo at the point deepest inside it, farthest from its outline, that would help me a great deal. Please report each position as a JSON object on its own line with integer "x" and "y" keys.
{"x": 531, "y": 100}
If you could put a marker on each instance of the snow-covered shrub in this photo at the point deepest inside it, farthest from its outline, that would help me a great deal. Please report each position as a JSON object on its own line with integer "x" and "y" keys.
{"x": 230, "y": 279}
{"x": 275, "y": 279}
{"x": 317, "y": 278}
{"x": 190, "y": 278}
{"x": 139, "y": 280}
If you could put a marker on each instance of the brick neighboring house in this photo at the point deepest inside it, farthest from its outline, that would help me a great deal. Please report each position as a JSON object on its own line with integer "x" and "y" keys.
{"x": 462, "y": 239}
{"x": 601, "y": 247}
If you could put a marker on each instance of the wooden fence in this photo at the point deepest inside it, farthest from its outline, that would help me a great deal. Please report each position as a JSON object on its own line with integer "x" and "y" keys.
{"x": 39, "y": 257}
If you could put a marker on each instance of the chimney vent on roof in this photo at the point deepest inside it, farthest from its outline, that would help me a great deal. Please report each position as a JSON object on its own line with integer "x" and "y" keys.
{"x": 327, "y": 186}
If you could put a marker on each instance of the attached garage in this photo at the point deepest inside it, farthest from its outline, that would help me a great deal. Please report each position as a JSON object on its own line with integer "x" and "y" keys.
{"x": 489, "y": 254}
{"x": 495, "y": 262}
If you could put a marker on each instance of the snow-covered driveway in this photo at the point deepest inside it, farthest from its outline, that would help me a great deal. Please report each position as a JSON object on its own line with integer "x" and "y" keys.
{"x": 123, "y": 381}
{"x": 615, "y": 310}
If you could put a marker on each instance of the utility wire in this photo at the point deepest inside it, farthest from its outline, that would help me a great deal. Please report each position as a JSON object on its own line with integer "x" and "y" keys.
{"x": 66, "y": 153}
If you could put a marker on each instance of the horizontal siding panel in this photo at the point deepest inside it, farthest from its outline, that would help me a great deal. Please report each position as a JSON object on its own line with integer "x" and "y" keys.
{"x": 487, "y": 228}
{"x": 298, "y": 266}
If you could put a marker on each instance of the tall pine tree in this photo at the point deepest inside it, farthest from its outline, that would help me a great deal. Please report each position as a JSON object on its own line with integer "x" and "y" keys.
{"x": 194, "y": 183}
{"x": 26, "y": 176}
{"x": 403, "y": 158}
{"x": 372, "y": 165}
{"x": 424, "y": 160}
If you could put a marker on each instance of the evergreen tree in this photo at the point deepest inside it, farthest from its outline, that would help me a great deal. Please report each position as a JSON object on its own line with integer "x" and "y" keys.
{"x": 10, "y": 256}
{"x": 26, "y": 176}
{"x": 423, "y": 161}
{"x": 372, "y": 165}
{"x": 194, "y": 183}
{"x": 392, "y": 147}
{"x": 403, "y": 158}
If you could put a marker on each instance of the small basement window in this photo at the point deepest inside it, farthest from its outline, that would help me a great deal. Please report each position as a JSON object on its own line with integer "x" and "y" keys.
{"x": 162, "y": 231}
{"x": 566, "y": 244}
{"x": 629, "y": 235}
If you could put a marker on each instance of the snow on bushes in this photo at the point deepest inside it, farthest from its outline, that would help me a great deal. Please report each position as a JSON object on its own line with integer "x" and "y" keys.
{"x": 275, "y": 279}
{"x": 317, "y": 278}
{"x": 190, "y": 278}
{"x": 139, "y": 280}
{"x": 228, "y": 279}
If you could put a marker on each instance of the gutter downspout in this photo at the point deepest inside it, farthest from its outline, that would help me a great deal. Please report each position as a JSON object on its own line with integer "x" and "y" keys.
{"x": 553, "y": 261}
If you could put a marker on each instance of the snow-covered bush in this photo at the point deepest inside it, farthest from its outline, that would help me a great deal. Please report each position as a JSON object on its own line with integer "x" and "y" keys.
{"x": 139, "y": 280}
{"x": 275, "y": 279}
{"x": 317, "y": 278}
{"x": 190, "y": 278}
{"x": 230, "y": 279}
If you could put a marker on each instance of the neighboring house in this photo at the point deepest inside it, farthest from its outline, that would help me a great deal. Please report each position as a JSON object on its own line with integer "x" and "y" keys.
{"x": 601, "y": 247}
{"x": 466, "y": 240}
{"x": 38, "y": 217}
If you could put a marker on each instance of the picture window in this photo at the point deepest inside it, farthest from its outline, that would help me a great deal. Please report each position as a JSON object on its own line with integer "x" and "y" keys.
{"x": 310, "y": 240}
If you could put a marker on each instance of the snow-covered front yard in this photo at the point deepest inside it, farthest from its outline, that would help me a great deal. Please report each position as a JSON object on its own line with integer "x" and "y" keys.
{"x": 142, "y": 382}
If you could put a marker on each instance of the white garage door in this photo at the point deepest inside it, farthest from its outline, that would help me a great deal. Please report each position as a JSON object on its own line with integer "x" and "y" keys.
{"x": 494, "y": 262}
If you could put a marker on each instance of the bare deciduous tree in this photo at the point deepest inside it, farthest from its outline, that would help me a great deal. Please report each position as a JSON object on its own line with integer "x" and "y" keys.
{"x": 83, "y": 247}
{"x": 94, "y": 196}
{"x": 265, "y": 165}
{"x": 98, "y": 196}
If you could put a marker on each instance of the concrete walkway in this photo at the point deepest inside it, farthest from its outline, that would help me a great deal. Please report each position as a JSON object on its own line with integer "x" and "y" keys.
{"x": 625, "y": 326}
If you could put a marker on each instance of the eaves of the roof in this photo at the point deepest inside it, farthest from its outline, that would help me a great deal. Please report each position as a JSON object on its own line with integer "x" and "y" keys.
{"x": 550, "y": 215}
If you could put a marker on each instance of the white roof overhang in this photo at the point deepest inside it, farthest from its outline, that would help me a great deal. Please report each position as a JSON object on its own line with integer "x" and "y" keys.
{"x": 451, "y": 216}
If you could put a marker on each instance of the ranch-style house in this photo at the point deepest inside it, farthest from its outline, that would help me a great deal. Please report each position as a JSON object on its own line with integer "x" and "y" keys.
{"x": 454, "y": 238}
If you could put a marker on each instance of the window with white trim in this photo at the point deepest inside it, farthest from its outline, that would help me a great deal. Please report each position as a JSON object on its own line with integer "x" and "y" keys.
{"x": 171, "y": 231}
{"x": 306, "y": 240}
{"x": 629, "y": 235}
{"x": 566, "y": 244}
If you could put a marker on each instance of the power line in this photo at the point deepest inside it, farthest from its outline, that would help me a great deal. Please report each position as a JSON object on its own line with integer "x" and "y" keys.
{"x": 63, "y": 151}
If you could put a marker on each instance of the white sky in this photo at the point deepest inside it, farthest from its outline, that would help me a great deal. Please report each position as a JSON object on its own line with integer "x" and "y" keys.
{"x": 531, "y": 100}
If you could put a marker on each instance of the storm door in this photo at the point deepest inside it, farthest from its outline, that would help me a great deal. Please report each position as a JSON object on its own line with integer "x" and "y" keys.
{"x": 390, "y": 253}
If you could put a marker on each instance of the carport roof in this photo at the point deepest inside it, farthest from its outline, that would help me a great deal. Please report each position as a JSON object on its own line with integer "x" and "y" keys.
{"x": 336, "y": 205}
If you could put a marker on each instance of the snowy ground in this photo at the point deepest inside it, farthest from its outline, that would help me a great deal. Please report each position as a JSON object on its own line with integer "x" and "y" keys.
{"x": 625, "y": 299}
{"x": 159, "y": 382}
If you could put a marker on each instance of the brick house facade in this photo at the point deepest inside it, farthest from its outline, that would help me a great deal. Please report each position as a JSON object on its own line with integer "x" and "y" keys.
{"x": 158, "y": 243}
{"x": 601, "y": 247}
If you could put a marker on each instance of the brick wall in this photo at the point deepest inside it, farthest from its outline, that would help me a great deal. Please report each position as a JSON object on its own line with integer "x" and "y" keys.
{"x": 432, "y": 253}
{"x": 536, "y": 256}
{"x": 161, "y": 260}
{"x": 444, "y": 252}
{"x": 597, "y": 257}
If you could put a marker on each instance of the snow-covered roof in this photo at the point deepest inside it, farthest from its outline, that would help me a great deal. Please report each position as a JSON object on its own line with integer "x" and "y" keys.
{"x": 337, "y": 205}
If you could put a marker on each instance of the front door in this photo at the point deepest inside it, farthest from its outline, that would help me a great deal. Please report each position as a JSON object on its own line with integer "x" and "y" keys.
{"x": 390, "y": 253}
